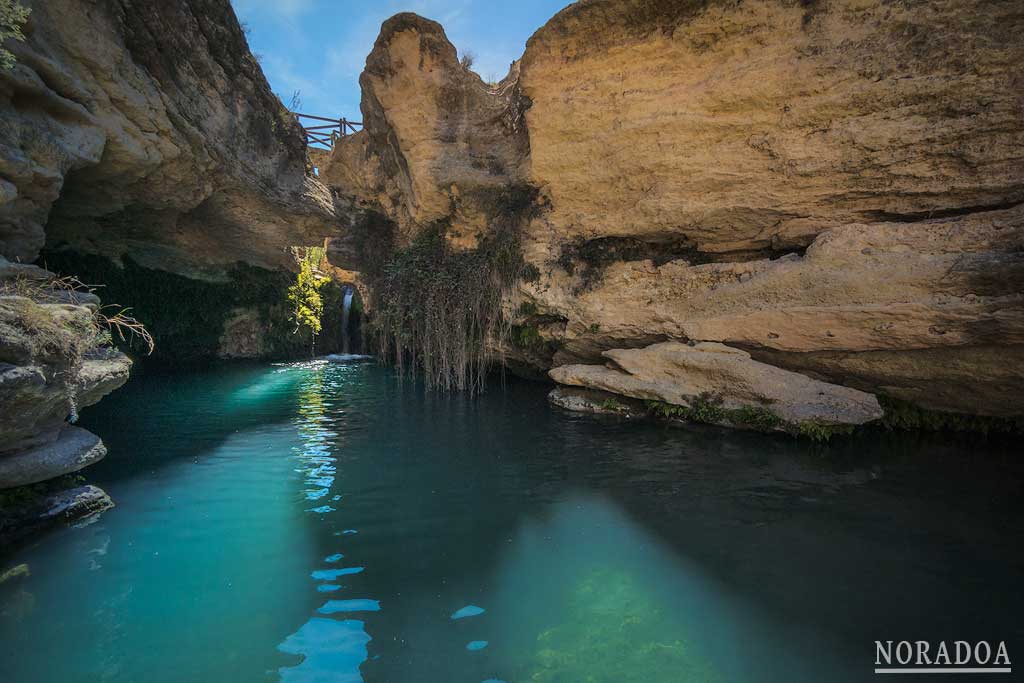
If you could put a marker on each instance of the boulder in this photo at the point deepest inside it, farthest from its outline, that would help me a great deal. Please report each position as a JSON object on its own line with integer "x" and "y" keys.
{"x": 681, "y": 374}
{"x": 76, "y": 503}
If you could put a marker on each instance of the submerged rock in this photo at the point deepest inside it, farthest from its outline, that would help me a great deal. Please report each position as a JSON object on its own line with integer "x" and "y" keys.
{"x": 77, "y": 503}
{"x": 598, "y": 402}
{"x": 30, "y": 510}
{"x": 682, "y": 375}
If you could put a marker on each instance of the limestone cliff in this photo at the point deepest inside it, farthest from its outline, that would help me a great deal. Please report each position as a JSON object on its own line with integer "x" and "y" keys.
{"x": 835, "y": 188}
{"x": 55, "y": 359}
{"x": 438, "y": 144}
{"x": 147, "y": 130}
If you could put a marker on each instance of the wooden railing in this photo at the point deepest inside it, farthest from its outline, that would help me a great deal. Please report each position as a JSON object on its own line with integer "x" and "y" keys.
{"x": 327, "y": 135}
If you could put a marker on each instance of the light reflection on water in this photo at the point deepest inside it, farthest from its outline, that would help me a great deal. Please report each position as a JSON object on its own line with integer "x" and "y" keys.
{"x": 331, "y": 650}
{"x": 498, "y": 540}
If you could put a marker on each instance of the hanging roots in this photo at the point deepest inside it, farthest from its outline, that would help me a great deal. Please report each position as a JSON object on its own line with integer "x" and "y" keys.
{"x": 436, "y": 308}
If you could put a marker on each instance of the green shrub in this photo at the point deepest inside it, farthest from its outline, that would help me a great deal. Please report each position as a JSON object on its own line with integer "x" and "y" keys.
{"x": 304, "y": 295}
{"x": 708, "y": 408}
{"x": 668, "y": 411}
{"x": 186, "y": 316}
{"x": 820, "y": 433}
{"x": 13, "y": 16}
{"x": 613, "y": 405}
{"x": 755, "y": 416}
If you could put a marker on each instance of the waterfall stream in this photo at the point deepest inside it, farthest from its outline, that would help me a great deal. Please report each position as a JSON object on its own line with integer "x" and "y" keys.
{"x": 346, "y": 307}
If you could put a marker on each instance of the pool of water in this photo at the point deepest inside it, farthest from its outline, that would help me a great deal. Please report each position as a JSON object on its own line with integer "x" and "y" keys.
{"x": 323, "y": 521}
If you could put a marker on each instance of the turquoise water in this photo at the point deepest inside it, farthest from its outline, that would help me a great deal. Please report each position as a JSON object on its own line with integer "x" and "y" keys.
{"x": 325, "y": 522}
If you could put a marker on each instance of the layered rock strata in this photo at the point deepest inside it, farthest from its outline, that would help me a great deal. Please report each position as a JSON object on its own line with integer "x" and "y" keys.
{"x": 832, "y": 188}
{"x": 53, "y": 362}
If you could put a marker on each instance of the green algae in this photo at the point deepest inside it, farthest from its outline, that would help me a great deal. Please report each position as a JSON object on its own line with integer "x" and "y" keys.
{"x": 615, "y": 630}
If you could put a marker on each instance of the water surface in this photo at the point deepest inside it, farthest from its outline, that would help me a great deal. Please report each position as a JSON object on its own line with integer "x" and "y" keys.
{"x": 324, "y": 522}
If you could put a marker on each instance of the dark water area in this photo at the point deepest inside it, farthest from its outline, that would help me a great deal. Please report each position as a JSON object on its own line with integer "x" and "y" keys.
{"x": 324, "y": 521}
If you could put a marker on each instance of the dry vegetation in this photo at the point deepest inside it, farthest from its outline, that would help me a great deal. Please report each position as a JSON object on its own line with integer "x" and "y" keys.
{"x": 68, "y": 332}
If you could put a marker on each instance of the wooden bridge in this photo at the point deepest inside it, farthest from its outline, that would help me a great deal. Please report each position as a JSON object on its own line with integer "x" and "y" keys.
{"x": 328, "y": 134}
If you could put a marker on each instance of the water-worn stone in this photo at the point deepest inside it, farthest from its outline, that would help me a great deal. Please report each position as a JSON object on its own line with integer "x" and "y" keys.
{"x": 580, "y": 400}
{"x": 73, "y": 449}
{"x": 75, "y": 503}
{"x": 43, "y": 509}
{"x": 680, "y": 374}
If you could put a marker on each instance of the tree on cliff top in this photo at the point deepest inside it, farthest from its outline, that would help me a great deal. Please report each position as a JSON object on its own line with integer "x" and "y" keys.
{"x": 12, "y": 17}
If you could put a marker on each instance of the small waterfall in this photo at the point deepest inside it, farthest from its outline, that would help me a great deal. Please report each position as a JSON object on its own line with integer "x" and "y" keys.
{"x": 346, "y": 306}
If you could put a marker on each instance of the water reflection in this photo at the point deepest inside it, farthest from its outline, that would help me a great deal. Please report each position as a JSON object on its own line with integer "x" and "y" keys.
{"x": 357, "y": 605}
{"x": 576, "y": 549}
{"x": 332, "y": 650}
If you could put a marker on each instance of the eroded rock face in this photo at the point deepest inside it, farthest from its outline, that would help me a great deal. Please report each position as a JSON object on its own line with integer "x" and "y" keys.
{"x": 908, "y": 299}
{"x": 680, "y": 374}
{"x": 74, "y": 449}
{"x": 834, "y": 188}
{"x": 758, "y": 125}
{"x": 438, "y": 144}
{"x": 54, "y": 361}
{"x": 148, "y": 130}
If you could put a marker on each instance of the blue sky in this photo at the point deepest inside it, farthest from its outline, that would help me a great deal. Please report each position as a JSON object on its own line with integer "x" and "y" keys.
{"x": 319, "y": 47}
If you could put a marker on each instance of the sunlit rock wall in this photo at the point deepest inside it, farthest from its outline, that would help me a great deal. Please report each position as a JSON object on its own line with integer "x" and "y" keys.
{"x": 832, "y": 187}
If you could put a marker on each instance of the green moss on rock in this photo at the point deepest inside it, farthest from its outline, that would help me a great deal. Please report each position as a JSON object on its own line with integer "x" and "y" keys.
{"x": 709, "y": 409}
{"x": 907, "y": 416}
